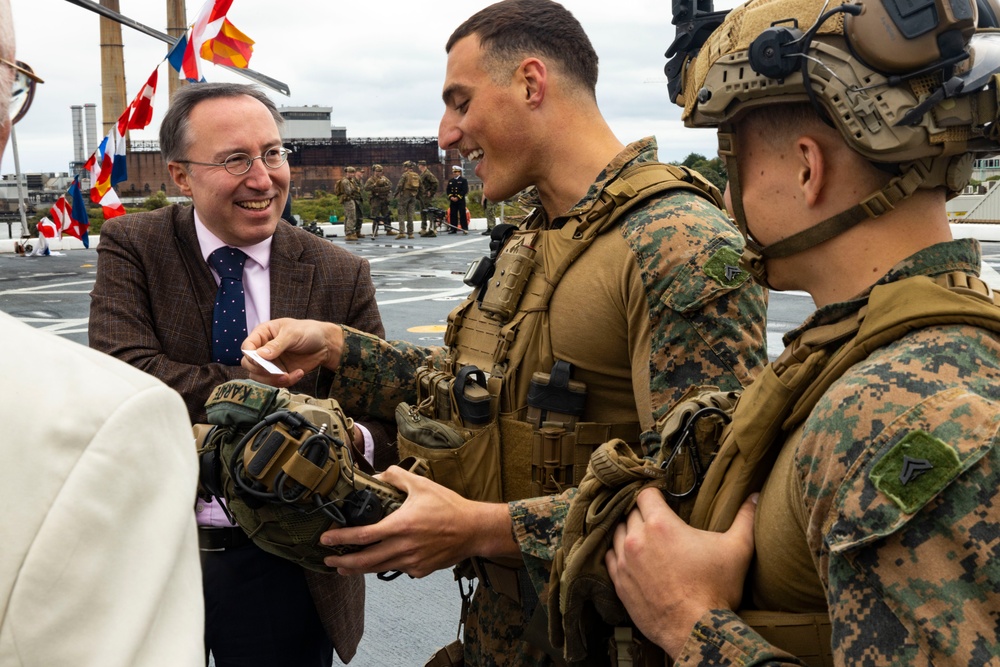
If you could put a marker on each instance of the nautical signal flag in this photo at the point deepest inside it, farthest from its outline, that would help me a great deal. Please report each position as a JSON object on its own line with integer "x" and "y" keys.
{"x": 70, "y": 214}
{"x": 229, "y": 47}
{"x": 182, "y": 59}
{"x": 107, "y": 166}
{"x": 142, "y": 106}
{"x": 212, "y": 37}
{"x": 48, "y": 227}
{"x": 111, "y": 205}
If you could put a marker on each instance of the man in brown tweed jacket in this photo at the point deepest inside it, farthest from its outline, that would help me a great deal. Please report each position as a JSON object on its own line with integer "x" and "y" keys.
{"x": 152, "y": 306}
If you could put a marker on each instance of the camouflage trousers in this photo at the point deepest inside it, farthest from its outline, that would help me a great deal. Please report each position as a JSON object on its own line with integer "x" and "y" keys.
{"x": 350, "y": 217}
{"x": 493, "y": 632}
{"x": 424, "y": 202}
{"x": 380, "y": 211}
{"x": 406, "y": 203}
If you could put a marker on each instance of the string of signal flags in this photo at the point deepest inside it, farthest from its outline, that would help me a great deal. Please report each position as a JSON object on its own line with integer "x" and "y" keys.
{"x": 211, "y": 37}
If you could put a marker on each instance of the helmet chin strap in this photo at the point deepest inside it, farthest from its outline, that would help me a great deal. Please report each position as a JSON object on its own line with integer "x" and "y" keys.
{"x": 871, "y": 207}
{"x": 752, "y": 260}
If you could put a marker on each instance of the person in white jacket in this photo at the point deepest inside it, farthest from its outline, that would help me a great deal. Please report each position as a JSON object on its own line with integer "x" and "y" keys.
{"x": 99, "y": 563}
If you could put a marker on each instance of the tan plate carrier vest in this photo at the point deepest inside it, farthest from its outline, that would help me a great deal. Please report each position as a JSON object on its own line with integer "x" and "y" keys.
{"x": 765, "y": 416}
{"x": 505, "y": 332}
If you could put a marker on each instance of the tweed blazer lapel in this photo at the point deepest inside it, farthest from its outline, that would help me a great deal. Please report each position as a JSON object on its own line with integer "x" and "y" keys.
{"x": 290, "y": 278}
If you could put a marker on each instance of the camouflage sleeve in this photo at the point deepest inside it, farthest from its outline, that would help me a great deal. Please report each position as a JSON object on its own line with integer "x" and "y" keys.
{"x": 900, "y": 475}
{"x": 538, "y": 527}
{"x": 720, "y": 637}
{"x": 706, "y": 316}
{"x": 375, "y": 375}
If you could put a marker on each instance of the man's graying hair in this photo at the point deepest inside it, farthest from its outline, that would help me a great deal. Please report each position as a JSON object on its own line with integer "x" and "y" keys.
{"x": 174, "y": 128}
{"x": 6, "y": 51}
{"x": 512, "y": 30}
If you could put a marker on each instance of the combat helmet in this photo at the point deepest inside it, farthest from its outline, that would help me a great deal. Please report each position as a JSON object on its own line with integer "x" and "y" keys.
{"x": 914, "y": 91}
{"x": 376, "y": 167}
{"x": 284, "y": 466}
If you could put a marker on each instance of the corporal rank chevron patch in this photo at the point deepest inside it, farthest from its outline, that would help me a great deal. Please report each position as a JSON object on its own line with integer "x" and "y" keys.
{"x": 915, "y": 470}
{"x": 724, "y": 266}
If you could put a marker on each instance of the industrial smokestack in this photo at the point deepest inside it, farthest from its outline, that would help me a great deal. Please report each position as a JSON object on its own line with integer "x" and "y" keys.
{"x": 90, "y": 113}
{"x": 176, "y": 27}
{"x": 78, "y": 156}
{"x": 113, "y": 101}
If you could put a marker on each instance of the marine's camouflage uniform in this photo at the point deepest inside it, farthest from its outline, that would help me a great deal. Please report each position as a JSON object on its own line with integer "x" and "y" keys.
{"x": 348, "y": 189}
{"x": 406, "y": 199}
{"x": 425, "y": 197}
{"x": 903, "y": 589}
{"x": 379, "y": 187}
{"x": 490, "y": 212}
{"x": 675, "y": 317}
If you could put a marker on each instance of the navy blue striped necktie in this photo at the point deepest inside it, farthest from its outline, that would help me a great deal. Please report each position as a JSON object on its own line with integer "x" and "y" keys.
{"x": 229, "y": 320}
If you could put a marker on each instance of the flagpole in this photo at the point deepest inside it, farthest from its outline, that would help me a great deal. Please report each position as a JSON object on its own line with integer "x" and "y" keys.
{"x": 262, "y": 79}
{"x": 20, "y": 186}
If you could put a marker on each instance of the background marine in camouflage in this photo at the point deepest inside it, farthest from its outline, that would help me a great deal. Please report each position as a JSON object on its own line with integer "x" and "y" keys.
{"x": 379, "y": 188}
{"x": 349, "y": 193}
{"x": 406, "y": 198}
{"x": 642, "y": 312}
{"x": 429, "y": 187}
{"x": 881, "y": 506}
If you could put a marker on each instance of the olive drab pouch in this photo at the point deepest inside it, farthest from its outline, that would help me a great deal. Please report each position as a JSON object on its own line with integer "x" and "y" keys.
{"x": 513, "y": 267}
{"x": 686, "y": 440}
{"x": 284, "y": 465}
{"x": 679, "y": 450}
{"x": 463, "y": 460}
{"x": 453, "y": 431}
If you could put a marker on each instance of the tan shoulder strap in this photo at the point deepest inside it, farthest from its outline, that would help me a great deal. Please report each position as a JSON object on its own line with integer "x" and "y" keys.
{"x": 636, "y": 184}
{"x": 895, "y": 310}
{"x": 787, "y": 390}
{"x": 639, "y": 182}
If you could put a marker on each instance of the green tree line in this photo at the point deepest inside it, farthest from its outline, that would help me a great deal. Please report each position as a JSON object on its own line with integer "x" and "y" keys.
{"x": 714, "y": 170}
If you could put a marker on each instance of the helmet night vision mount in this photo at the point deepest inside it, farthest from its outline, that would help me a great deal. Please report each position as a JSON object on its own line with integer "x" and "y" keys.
{"x": 912, "y": 87}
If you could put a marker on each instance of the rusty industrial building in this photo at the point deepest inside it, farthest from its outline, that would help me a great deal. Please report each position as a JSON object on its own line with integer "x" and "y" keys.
{"x": 315, "y": 165}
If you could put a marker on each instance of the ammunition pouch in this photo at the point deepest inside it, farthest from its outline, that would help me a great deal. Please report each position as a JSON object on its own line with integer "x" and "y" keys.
{"x": 470, "y": 469}
{"x": 500, "y": 298}
{"x": 284, "y": 466}
{"x": 451, "y": 429}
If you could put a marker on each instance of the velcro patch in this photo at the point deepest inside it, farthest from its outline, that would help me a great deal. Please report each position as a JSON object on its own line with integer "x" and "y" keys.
{"x": 240, "y": 402}
{"x": 724, "y": 266}
{"x": 915, "y": 470}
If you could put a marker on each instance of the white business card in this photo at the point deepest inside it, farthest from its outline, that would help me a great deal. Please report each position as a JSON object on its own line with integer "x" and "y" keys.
{"x": 263, "y": 363}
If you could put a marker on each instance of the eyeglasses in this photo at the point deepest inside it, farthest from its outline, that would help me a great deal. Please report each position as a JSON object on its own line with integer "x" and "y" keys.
{"x": 22, "y": 91}
{"x": 238, "y": 164}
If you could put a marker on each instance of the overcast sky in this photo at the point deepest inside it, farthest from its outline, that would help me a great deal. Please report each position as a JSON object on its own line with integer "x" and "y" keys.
{"x": 378, "y": 63}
